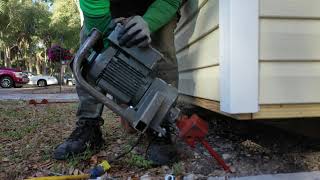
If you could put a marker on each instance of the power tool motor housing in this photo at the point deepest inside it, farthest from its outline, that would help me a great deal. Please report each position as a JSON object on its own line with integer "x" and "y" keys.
{"x": 128, "y": 75}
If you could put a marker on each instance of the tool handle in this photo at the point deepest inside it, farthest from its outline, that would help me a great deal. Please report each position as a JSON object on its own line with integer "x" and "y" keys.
{"x": 215, "y": 155}
{"x": 79, "y": 59}
{"x": 70, "y": 177}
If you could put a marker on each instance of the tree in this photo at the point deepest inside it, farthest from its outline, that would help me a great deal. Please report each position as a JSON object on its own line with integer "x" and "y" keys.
{"x": 20, "y": 21}
{"x": 29, "y": 27}
{"x": 66, "y": 21}
{"x": 2, "y": 6}
{"x": 3, "y": 23}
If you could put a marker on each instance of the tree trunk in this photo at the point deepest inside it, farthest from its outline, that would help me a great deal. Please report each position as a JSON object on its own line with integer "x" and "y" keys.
{"x": 38, "y": 61}
{"x": 45, "y": 63}
{"x": 7, "y": 60}
{"x": 30, "y": 65}
{"x": 1, "y": 60}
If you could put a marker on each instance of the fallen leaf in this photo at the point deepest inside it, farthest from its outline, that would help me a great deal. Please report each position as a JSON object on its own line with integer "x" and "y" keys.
{"x": 94, "y": 160}
{"x": 46, "y": 165}
{"x": 76, "y": 172}
{"x": 5, "y": 159}
{"x": 71, "y": 170}
{"x": 102, "y": 154}
{"x": 39, "y": 174}
{"x": 34, "y": 166}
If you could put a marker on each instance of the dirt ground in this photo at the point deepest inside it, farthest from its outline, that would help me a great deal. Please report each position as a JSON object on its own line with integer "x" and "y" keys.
{"x": 28, "y": 136}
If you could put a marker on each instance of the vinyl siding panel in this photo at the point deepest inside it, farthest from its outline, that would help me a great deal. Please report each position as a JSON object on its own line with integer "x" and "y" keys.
{"x": 197, "y": 45}
{"x": 289, "y": 51}
{"x": 289, "y": 39}
{"x": 197, "y": 24}
{"x": 202, "y": 83}
{"x": 290, "y": 8}
{"x": 201, "y": 54}
{"x": 293, "y": 82}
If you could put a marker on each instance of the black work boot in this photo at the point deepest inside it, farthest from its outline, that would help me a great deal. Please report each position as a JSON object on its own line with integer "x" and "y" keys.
{"x": 162, "y": 151}
{"x": 87, "y": 134}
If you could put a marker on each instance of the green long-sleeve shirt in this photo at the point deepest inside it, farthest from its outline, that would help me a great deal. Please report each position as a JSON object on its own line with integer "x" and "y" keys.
{"x": 97, "y": 14}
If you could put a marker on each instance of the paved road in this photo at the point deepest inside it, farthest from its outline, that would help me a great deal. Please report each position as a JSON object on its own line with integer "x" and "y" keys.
{"x": 50, "y": 97}
{"x": 49, "y": 93}
{"x": 38, "y": 90}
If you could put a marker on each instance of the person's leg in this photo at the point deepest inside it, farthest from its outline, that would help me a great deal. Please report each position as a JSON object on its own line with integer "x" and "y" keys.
{"x": 87, "y": 131}
{"x": 163, "y": 41}
{"x": 161, "y": 150}
{"x": 89, "y": 108}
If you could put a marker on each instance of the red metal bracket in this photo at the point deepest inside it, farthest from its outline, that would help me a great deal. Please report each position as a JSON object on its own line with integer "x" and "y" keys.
{"x": 195, "y": 129}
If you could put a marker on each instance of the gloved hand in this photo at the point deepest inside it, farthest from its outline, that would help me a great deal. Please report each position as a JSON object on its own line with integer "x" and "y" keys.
{"x": 113, "y": 23}
{"x": 135, "y": 32}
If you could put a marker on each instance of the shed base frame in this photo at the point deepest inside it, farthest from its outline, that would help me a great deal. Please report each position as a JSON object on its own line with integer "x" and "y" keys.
{"x": 266, "y": 111}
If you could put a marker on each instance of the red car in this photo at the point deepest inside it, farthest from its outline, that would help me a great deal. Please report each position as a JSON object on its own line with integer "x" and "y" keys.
{"x": 12, "y": 78}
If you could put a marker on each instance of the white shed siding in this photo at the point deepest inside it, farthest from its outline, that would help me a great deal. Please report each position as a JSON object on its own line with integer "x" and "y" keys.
{"x": 202, "y": 83}
{"x": 197, "y": 44}
{"x": 293, "y": 40}
{"x": 294, "y": 82}
{"x": 289, "y": 51}
{"x": 290, "y": 8}
{"x": 198, "y": 55}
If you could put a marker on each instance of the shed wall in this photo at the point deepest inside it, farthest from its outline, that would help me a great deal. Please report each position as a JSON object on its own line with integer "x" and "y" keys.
{"x": 289, "y": 51}
{"x": 197, "y": 45}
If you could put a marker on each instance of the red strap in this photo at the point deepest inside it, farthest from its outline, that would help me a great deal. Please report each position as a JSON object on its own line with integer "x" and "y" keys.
{"x": 215, "y": 155}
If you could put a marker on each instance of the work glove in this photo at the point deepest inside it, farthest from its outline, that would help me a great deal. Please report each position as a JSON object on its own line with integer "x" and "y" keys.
{"x": 135, "y": 32}
{"x": 113, "y": 23}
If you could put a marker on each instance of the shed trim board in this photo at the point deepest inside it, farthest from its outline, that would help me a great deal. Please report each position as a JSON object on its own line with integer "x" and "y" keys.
{"x": 267, "y": 111}
{"x": 239, "y": 56}
{"x": 212, "y": 106}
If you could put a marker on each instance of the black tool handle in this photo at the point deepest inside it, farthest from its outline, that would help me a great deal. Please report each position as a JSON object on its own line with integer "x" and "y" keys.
{"x": 91, "y": 41}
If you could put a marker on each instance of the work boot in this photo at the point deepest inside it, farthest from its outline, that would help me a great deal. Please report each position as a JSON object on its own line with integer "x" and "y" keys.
{"x": 162, "y": 151}
{"x": 87, "y": 134}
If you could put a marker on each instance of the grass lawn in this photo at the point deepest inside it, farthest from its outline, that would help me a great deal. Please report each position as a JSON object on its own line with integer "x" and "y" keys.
{"x": 28, "y": 136}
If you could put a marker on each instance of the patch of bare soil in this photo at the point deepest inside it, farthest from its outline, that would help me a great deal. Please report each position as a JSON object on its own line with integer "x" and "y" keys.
{"x": 28, "y": 136}
{"x": 254, "y": 148}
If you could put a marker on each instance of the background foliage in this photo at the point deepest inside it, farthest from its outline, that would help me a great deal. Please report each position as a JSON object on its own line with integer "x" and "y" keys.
{"x": 28, "y": 28}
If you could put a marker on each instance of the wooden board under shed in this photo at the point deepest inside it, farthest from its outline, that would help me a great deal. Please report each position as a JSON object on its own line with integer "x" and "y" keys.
{"x": 272, "y": 111}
